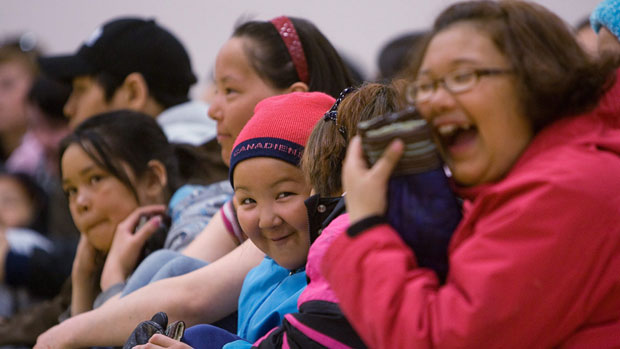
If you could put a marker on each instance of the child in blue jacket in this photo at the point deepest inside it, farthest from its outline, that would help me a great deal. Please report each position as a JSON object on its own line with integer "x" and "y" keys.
{"x": 270, "y": 190}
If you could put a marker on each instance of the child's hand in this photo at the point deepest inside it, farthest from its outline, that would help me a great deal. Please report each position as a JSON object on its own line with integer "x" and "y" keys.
{"x": 55, "y": 337}
{"x": 85, "y": 264}
{"x": 126, "y": 246}
{"x": 162, "y": 341}
{"x": 366, "y": 188}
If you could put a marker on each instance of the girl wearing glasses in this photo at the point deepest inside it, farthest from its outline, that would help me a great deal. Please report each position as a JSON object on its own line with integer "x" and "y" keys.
{"x": 528, "y": 125}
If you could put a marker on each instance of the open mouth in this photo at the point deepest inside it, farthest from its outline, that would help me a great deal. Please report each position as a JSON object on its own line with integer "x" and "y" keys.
{"x": 457, "y": 138}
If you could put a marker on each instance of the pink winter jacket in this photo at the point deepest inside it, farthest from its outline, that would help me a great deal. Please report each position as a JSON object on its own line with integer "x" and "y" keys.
{"x": 535, "y": 262}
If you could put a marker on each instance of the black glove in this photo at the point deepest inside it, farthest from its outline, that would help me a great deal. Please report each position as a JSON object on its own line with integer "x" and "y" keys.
{"x": 146, "y": 329}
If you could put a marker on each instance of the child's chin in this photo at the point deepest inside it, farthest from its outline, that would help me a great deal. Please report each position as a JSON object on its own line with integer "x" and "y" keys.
{"x": 290, "y": 265}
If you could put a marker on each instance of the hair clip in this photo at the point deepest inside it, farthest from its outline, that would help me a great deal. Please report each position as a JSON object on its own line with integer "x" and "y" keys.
{"x": 332, "y": 114}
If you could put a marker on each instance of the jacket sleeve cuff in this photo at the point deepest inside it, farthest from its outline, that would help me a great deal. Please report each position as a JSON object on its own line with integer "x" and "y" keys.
{"x": 365, "y": 224}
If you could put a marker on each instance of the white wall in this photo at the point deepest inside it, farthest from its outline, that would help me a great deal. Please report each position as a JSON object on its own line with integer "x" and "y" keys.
{"x": 357, "y": 28}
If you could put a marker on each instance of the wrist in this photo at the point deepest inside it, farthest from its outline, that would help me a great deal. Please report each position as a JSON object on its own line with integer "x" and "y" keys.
{"x": 112, "y": 275}
{"x": 356, "y": 215}
{"x": 360, "y": 208}
{"x": 83, "y": 278}
{"x": 83, "y": 270}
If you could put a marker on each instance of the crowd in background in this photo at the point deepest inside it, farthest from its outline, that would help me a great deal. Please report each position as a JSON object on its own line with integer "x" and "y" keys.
{"x": 484, "y": 215}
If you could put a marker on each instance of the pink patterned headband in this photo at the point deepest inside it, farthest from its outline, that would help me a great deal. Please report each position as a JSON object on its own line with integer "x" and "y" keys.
{"x": 287, "y": 32}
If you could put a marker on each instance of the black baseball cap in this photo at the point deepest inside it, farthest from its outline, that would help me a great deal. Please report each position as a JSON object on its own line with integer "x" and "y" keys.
{"x": 126, "y": 45}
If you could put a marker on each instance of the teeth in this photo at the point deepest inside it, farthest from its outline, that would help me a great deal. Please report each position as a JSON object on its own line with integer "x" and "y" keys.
{"x": 450, "y": 129}
{"x": 445, "y": 130}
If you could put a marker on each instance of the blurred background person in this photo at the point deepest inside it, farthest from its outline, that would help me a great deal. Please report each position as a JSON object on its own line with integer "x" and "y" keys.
{"x": 586, "y": 36}
{"x": 396, "y": 54}
{"x": 18, "y": 69}
{"x": 605, "y": 21}
{"x": 23, "y": 215}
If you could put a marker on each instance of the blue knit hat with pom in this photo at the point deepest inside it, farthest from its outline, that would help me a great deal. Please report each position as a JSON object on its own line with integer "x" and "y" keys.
{"x": 607, "y": 13}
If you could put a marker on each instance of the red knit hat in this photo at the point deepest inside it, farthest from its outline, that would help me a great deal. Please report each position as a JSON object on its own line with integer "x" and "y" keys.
{"x": 280, "y": 127}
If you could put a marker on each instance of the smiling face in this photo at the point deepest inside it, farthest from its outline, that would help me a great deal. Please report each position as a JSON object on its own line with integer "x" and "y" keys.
{"x": 482, "y": 131}
{"x": 270, "y": 196}
{"x": 238, "y": 89}
{"x": 98, "y": 201}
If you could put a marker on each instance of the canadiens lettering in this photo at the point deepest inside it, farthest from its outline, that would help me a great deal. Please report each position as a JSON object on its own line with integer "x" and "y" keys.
{"x": 269, "y": 145}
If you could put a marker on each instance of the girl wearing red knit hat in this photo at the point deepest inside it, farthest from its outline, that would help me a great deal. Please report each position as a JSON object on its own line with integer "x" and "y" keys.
{"x": 260, "y": 60}
{"x": 270, "y": 190}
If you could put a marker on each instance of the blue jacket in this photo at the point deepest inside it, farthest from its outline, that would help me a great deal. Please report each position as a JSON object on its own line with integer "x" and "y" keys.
{"x": 269, "y": 292}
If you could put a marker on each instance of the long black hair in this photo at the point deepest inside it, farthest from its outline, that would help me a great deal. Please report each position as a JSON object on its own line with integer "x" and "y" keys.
{"x": 120, "y": 139}
{"x": 271, "y": 60}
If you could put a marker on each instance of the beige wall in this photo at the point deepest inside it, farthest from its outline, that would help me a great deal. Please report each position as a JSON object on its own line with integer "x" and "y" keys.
{"x": 357, "y": 28}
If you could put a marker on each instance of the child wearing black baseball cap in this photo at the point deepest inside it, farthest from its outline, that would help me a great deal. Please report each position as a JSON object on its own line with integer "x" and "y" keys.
{"x": 133, "y": 63}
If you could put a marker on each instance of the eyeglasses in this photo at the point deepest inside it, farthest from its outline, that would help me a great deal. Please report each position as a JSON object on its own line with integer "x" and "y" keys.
{"x": 332, "y": 114}
{"x": 458, "y": 81}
